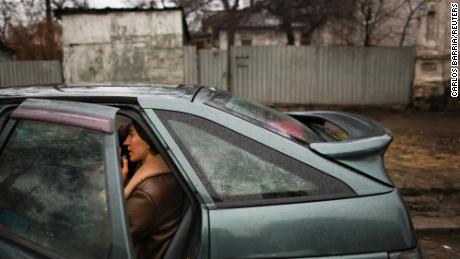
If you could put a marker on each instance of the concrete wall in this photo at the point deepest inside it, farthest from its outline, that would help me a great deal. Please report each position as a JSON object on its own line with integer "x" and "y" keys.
{"x": 124, "y": 47}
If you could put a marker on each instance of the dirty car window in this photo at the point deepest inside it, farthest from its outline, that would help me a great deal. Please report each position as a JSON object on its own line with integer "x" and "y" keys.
{"x": 53, "y": 191}
{"x": 235, "y": 168}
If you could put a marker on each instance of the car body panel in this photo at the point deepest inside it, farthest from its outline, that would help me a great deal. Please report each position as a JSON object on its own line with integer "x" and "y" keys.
{"x": 204, "y": 250}
{"x": 121, "y": 238}
{"x": 370, "y": 224}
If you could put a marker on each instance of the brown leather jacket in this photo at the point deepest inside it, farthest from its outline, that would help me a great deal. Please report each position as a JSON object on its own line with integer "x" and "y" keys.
{"x": 154, "y": 209}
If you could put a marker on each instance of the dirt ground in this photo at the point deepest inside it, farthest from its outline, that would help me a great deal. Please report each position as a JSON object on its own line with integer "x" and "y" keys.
{"x": 425, "y": 153}
{"x": 424, "y": 159}
{"x": 440, "y": 246}
{"x": 424, "y": 163}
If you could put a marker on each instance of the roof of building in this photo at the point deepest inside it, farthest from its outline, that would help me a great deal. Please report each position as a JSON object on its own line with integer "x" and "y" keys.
{"x": 250, "y": 20}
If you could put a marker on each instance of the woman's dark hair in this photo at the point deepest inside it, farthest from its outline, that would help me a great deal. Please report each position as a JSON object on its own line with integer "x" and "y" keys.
{"x": 145, "y": 137}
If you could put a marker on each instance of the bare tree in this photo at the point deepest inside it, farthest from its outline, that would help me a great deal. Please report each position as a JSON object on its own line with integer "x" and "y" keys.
{"x": 376, "y": 13}
{"x": 31, "y": 30}
{"x": 285, "y": 11}
{"x": 305, "y": 16}
{"x": 233, "y": 19}
{"x": 194, "y": 11}
{"x": 413, "y": 7}
{"x": 366, "y": 22}
{"x": 8, "y": 10}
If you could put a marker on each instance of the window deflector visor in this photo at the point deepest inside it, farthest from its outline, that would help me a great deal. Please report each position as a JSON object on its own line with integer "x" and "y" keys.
{"x": 84, "y": 115}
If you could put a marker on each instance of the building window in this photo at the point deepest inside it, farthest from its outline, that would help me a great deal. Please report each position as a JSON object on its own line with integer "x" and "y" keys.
{"x": 429, "y": 67}
{"x": 430, "y": 22}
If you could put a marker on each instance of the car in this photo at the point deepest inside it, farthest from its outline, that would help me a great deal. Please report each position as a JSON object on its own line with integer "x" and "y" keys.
{"x": 259, "y": 183}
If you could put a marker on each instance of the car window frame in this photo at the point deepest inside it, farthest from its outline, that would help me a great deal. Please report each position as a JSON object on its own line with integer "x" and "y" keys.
{"x": 199, "y": 233}
{"x": 116, "y": 203}
{"x": 5, "y": 111}
{"x": 194, "y": 202}
{"x": 141, "y": 118}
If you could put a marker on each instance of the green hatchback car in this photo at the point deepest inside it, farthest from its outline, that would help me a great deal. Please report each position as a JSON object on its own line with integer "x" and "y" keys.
{"x": 259, "y": 183}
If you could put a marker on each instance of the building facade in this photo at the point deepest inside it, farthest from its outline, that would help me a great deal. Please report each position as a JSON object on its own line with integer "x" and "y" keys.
{"x": 432, "y": 69}
{"x": 123, "y": 45}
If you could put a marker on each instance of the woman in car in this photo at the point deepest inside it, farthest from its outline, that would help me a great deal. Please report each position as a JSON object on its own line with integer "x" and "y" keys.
{"x": 154, "y": 198}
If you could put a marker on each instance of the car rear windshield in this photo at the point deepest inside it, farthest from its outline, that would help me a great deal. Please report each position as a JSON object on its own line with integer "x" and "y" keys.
{"x": 265, "y": 117}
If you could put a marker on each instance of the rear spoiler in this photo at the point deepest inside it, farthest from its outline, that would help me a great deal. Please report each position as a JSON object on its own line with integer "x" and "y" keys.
{"x": 364, "y": 147}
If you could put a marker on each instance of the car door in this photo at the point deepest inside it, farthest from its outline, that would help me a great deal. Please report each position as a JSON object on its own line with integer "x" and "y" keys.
{"x": 60, "y": 187}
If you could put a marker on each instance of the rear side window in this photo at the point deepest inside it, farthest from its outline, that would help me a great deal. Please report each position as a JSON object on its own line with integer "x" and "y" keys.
{"x": 235, "y": 168}
{"x": 265, "y": 117}
{"x": 53, "y": 189}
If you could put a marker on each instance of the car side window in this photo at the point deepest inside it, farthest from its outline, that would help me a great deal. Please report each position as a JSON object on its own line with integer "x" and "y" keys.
{"x": 235, "y": 168}
{"x": 53, "y": 189}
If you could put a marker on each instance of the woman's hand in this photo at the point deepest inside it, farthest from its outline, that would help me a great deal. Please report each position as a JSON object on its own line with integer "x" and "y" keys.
{"x": 124, "y": 168}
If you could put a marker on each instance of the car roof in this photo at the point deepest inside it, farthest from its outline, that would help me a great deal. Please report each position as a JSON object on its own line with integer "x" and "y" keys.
{"x": 112, "y": 90}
